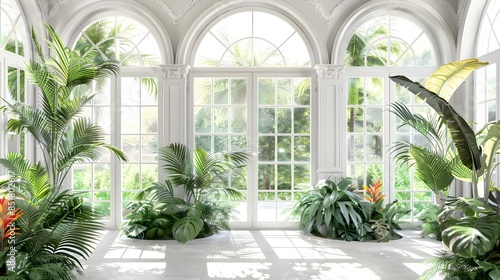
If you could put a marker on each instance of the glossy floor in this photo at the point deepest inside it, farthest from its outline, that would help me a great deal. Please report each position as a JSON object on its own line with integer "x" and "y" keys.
{"x": 259, "y": 254}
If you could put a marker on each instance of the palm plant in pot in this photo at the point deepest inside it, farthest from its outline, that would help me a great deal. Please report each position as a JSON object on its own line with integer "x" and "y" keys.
{"x": 471, "y": 226}
{"x": 54, "y": 229}
{"x": 202, "y": 179}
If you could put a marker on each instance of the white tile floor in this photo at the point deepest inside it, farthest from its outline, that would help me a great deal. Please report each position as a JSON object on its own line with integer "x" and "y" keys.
{"x": 259, "y": 254}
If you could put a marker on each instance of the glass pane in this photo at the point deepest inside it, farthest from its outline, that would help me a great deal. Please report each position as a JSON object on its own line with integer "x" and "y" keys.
{"x": 284, "y": 148}
{"x": 133, "y": 117}
{"x": 267, "y": 148}
{"x": 149, "y": 120}
{"x": 302, "y": 120}
{"x": 266, "y": 177}
{"x": 238, "y": 91}
{"x": 221, "y": 120}
{"x": 221, "y": 91}
{"x": 284, "y": 91}
{"x": 302, "y": 91}
{"x": 302, "y": 148}
{"x": 202, "y": 120}
{"x": 266, "y": 120}
{"x": 284, "y": 177}
{"x": 284, "y": 120}
{"x": 266, "y": 91}
{"x": 238, "y": 119}
{"x": 202, "y": 91}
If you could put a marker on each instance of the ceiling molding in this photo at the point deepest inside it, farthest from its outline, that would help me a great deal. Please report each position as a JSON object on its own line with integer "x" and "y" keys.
{"x": 54, "y": 9}
{"x": 176, "y": 16}
{"x": 328, "y": 16}
{"x": 450, "y": 9}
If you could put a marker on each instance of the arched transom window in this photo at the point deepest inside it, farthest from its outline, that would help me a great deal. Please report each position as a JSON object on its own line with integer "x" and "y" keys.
{"x": 119, "y": 38}
{"x": 246, "y": 39}
{"x": 390, "y": 41}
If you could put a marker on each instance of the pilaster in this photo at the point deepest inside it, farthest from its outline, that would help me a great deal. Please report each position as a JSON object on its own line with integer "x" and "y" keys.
{"x": 331, "y": 123}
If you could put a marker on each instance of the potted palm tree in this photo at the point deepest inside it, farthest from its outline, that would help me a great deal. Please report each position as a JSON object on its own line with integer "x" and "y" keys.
{"x": 54, "y": 229}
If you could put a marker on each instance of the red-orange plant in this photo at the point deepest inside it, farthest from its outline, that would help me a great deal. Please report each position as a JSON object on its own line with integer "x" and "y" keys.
{"x": 8, "y": 215}
{"x": 374, "y": 192}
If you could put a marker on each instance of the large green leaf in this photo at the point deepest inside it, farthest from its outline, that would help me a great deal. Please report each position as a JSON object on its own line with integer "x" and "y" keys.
{"x": 472, "y": 236}
{"x": 449, "y": 77}
{"x": 187, "y": 228}
{"x": 462, "y": 134}
{"x": 491, "y": 144}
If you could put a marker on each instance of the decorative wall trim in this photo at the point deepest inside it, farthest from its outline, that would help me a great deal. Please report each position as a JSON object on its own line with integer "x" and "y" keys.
{"x": 54, "y": 9}
{"x": 176, "y": 16}
{"x": 328, "y": 16}
{"x": 328, "y": 71}
{"x": 174, "y": 71}
{"x": 450, "y": 9}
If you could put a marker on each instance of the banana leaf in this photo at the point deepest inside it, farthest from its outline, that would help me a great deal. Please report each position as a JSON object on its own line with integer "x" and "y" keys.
{"x": 447, "y": 78}
{"x": 462, "y": 134}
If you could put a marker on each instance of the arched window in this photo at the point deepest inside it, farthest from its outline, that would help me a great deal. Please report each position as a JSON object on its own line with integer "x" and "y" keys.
{"x": 488, "y": 45}
{"x": 241, "y": 105}
{"x": 127, "y": 108}
{"x": 486, "y": 93}
{"x": 382, "y": 46}
{"x": 14, "y": 39}
{"x": 245, "y": 40}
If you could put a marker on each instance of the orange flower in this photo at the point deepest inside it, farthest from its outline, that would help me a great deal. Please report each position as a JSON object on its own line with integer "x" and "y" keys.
{"x": 374, "y": 192}
{"x": 8, "y": 216}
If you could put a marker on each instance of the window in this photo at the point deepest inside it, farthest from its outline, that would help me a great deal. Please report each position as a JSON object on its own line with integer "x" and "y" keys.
{"x": 14, "y": 44}
{"x": 391, "y": 45}
{"x": 243, "y": 106}
{"x": 127, "y": 108}
{"x": 486, "y": 92}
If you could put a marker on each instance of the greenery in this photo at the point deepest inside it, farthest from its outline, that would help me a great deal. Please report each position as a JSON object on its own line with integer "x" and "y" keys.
{"x": 430, "y": 222}
{"x": 333, "y": 210}
{"x": 469, "y": 226}
{"x": 53, "y": 229}
{"x": 205, "y": 180}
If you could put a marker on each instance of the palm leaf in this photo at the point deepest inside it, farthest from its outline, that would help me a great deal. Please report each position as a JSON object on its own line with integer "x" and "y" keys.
{"x": 432, "y": 168}
{"x": 447, "y": 78}
{"x": 462, "y": 134}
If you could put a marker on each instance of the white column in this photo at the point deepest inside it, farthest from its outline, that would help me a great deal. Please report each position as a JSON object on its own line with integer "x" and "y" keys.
{"x": 331, "y": 122}
{"x": 173, "y": 101}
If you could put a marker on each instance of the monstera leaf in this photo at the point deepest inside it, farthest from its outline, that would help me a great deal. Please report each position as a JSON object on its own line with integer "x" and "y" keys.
{"x": 472, "y": 236}
{"x": 462, "y": 134}
{"x": 447, "y": 78}
{"x": 187, "y": 228}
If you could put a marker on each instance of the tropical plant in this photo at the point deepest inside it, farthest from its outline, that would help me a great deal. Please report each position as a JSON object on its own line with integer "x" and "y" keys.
{"x": 469, "y": 226}
{"x": 56, "y": 230}
{"x": 451, "y": 266}
{"x": 430, "y": 223}
{"x": 374, "y": 192}
{"x": 204, "y": 179}
{"x": 333, "y": 210}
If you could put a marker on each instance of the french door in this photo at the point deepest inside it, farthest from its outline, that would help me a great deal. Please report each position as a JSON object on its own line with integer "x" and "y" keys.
{"x": 269, "y": 115}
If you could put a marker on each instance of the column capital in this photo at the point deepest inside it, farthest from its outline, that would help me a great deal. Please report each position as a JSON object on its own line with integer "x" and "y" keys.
{"x": 174, "y": 71}
{"x": 329, "y": 71}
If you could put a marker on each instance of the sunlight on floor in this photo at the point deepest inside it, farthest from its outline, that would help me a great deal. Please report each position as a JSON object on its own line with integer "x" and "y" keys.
{"x": 258, "y": 254}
